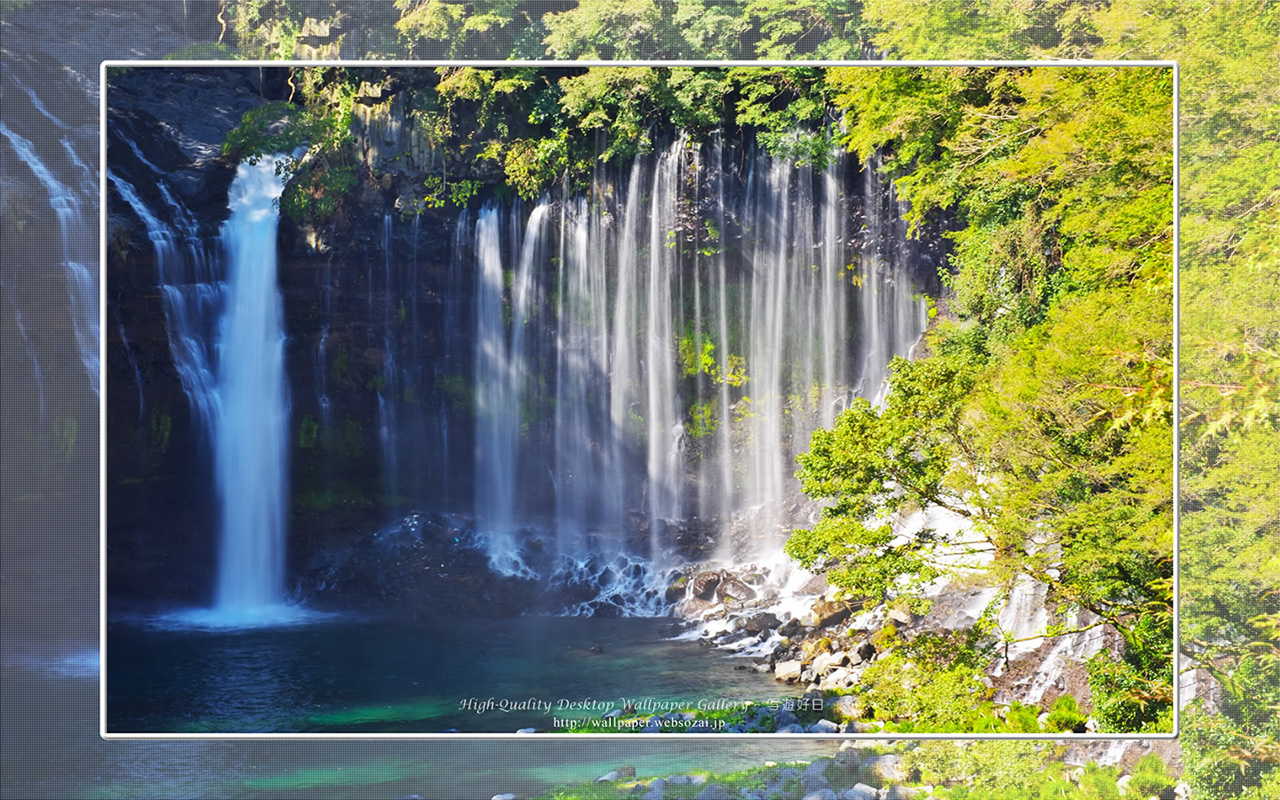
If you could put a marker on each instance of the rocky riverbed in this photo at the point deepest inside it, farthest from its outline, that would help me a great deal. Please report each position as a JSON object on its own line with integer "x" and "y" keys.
{"x": 862, "y": 771}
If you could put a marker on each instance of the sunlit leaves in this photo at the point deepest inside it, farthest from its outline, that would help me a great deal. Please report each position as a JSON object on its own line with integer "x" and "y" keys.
{"x": 612, "y": 29}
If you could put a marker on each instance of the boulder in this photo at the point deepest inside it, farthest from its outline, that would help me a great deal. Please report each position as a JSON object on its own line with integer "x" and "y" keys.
{"x": 813, "y": 648}
{"x": 785, "y": 716}
{"x": 788, "y": 671}
{"x": 715, "y": 792}
{"x": 884, "y": 769}
{"x": 848, "y": 757}
{"x": 792, "y": 728}
{"x": 901, "y": 616}
{"x": 703, "y": 585}
{"x": 865, "y": 652}
{"x": 815, "y": 585}
{"x": 814, "y": 776}
{"x": 677, "y": 590}
{"x": 822, "y": 662}
{"x": 824, "y": 793}
{"x": 846, "y": 707}
{"x": 609, "y": 777}
{"x": 626, "y": 772}
{"x": 825, "y": 613}
{"x": 824, "y": 726}
{"x": 734, "y": 590}
{"x": 861, "y": 791}
{"x": 758, "y": 623}
{"x": 838, "y": 678}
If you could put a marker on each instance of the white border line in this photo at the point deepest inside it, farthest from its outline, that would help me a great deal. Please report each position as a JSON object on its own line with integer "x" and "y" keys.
{"x": 882, "y": 738}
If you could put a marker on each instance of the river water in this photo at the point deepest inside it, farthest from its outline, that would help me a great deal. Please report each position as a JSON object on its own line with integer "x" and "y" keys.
{"x": 52, "y": 750}
{"x": 357, "y": 676}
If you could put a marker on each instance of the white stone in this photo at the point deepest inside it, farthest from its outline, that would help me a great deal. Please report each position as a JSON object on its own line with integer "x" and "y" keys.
{"x": 787, "y": 670}
{"x": 715, "y": 792}
{"x": 886, "y": 768}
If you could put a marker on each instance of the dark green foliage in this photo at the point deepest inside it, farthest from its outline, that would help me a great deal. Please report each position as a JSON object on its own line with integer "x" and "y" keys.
{"x": 1150, "y": 777}
{"x": 315, "y": 141}
{"x": 1065, "y": 716}
{"x": 308, "y": 432}
{"x": 160, "y": 430}
{"x": 1124, "y": 698}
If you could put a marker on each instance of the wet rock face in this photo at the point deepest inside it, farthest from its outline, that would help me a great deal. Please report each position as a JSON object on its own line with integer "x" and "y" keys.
{"x": 703, "y": 585}
{"x": 759, "y": 622}
{"x": 428, "y": 566}
{"x": 174, "y": 122}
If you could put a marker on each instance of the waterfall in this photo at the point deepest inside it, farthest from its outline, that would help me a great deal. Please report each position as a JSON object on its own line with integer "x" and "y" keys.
{"x": 223, "y": 318}
{"x": 251, "y": 444}
{"x": 893, "y": 317}
{"x": 192, "y": 294}
{"x": 133, "y": 366}
{"x": 37, "y": 373}
{"x": 705, "y": 312}
{"x": 665, "y": 433}
{"x": 502, "y": 365}
{"x": 449, "y": 372}
{"x": 388, "y": 435}
{"x": 78, "y": 251}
